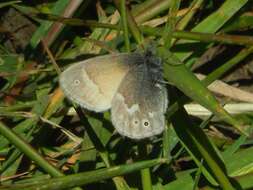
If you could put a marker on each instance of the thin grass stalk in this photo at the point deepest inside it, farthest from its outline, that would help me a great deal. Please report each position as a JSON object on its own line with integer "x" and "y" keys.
{"x": 201, "y": 37}
{"x": 205, "y": 37}
{"x": 5, "y": 4}
{"x": 171, "y": 23}
{"x": 132, "y": 24}
{"x": 124, "y": 23}
{"x": 83, "y": 178}
{"x": 72, "y": 21}
{"x": 219, "y": 72}
{"x": 145, "y": 173}
{"x": 197, "y": 178}
{"x": 146, "y": 179}
{"x": 149, "y": 9}
{"x": 166, "y": 142}
{"x": 194, "y": 7}
{"x": 182, "y": 23}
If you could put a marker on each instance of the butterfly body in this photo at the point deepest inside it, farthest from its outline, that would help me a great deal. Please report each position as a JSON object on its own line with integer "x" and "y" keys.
{"x": 130, "y": 84}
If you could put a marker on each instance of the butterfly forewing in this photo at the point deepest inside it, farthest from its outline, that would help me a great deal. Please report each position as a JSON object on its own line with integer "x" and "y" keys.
{"x": 92, "y": 83}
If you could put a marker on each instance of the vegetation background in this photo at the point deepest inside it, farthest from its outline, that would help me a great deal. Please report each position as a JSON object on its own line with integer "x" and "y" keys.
{"x": 44, "y": 144}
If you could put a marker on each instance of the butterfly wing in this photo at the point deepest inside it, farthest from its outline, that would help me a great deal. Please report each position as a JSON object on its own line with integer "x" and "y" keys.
{"x": 92, "y": 83}
{"x": 139, "y": 105}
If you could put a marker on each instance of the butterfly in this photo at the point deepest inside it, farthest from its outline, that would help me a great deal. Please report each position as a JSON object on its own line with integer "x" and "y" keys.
{"x": 130, "y": 84}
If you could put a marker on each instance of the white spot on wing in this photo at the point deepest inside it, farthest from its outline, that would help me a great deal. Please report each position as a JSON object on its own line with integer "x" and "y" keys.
{"x": 134, "y": 108}
{"x": 119, "y": 97}
{"x": 158, "y": 85}
{"x": 151, "y": 114}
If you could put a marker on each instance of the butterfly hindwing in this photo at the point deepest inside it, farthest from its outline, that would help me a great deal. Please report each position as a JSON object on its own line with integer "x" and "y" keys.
{"x": 139, "y": 104}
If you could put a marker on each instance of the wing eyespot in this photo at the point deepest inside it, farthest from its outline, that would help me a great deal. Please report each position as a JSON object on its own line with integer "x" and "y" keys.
{"x": 136, "y": 122}
{"x": 76, "y": 82}
{"x": 145, "y": 123}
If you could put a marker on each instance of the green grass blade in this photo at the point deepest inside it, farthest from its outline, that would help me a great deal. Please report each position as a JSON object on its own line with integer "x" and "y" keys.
{"x": 227, "y": 10}
{"x": 194, "y": 89}
{"x": 42, "y": 31}
{"x": 85, "y": 177}
{"x": 5, "y": 4}
{"x": 124, "y": 23}
{"x": 198, "y": 144}
{"x": 221, "y": 16}
{"x": 28, "y": 150}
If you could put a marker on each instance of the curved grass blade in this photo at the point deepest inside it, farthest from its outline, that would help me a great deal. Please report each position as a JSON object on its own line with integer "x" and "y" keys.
{"x": 84, "y": 177}
{"x": 5, "y": 4}
{"x": 180, "y": 76}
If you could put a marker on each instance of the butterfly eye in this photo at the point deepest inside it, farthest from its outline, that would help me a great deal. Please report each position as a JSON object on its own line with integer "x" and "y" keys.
{"x": 145, "y": 123}
{"x": 136, "y": 122}
{"x": 76, "y": 82}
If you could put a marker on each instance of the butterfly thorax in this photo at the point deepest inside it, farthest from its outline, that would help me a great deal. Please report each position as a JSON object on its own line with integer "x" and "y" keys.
{"x": 154, "y": 67}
